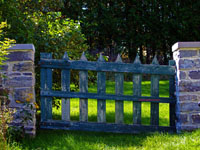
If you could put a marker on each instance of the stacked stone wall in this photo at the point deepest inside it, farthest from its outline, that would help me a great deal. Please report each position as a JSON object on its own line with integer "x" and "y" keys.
{"x": 17, "y": 81}
{"x": 187, "y": 58}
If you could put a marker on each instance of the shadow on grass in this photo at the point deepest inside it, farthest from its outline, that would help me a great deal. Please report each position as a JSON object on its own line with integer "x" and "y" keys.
{"x": 75, "y": 140}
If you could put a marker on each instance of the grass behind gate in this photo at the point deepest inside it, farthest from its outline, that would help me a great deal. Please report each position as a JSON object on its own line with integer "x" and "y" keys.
{"x": 128, "y": 106}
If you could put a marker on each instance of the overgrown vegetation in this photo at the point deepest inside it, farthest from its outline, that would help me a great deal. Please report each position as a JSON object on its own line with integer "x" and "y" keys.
{"x": 5, "y": 43}
{"x": 5, "y": 111}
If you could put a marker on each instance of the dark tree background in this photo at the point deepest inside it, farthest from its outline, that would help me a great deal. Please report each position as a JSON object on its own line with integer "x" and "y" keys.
{"x": 146, "y": 27}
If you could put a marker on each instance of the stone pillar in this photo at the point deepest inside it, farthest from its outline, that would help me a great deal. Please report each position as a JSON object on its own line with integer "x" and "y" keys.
{"x": 187, "y": 58}
{"x": 19, "y": 81}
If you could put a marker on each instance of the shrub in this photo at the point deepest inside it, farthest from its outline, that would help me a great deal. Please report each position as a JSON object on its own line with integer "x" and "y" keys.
{"x": 5, "y": 112}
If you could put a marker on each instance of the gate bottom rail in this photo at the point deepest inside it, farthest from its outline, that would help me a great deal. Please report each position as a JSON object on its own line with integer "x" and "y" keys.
{"x": 104, "y": 127}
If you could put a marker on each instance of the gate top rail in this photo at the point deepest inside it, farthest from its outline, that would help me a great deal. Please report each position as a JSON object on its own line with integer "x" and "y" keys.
{"x": 135, "y": 67}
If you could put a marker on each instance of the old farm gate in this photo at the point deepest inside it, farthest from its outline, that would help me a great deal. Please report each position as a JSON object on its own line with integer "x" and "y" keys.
{"x": 101, "y": 67}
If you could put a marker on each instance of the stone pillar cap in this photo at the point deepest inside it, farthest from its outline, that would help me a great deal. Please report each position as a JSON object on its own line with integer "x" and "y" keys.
{"x": 179, "y": 45}
{"x": 22, "y": 47}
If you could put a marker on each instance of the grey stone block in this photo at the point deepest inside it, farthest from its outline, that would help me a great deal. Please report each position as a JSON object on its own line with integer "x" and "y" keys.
{"x": 197, "y": 63}
{"x": 194, "y": 74}
{"x": 18, "y": 47}
{"x": 196, "y": 118}
{"x": 21, "y": 94}
{"x": 20, "y": 82}
{"x": 189, "y": 107}
{"x": 23, "y": 66}
{"x": 189, "y": 127}
{"x": 14, "y": 74}
{"x": 187, "y": 53}
{"x": 188, "y": 86}
{"x": 183, "y": 118}
{"x": 28, "y": 74}
{"x": 187, "y": 98}
{"x": 182, "y": 75}
{"x": 21, "y": 56}
{"x": 186, "y": 64}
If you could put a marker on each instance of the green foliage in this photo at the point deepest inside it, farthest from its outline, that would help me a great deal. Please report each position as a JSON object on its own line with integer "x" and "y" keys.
{"x": 41, "y": 23}
{"x": 57, "y": 35}
{"x": 144, "y": 27}
{"x": 5, "y": 43}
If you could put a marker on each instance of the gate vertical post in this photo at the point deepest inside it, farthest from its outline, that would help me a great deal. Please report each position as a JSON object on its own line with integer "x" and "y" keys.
{"x": 65, "y": 83}
{"x": 46, "y": 84}
{"x": 187, "y": 61}
{"x": 137, "y": 90}
{"x": 119, "y": 90}
{"x": 155, "y": 92}
{"x": 17, "y": 86}
{"x": 83, "y": 85}
{"x": 101, "y": 88}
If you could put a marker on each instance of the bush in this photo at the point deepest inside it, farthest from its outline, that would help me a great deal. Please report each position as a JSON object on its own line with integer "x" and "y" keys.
{"x": 5, "y": 43}
{"x": 5, "y": 112}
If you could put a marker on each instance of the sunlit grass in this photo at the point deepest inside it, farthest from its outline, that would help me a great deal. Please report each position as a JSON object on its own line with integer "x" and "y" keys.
{"x": 128, "y": 105}
{"x": 76, "y": 140}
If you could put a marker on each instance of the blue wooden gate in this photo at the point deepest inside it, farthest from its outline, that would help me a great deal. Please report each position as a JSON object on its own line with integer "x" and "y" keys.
{"x": 101, "y": 67}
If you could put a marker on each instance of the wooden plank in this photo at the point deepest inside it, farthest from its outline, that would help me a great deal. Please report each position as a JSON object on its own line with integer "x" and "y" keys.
{"x": 137, "y": 78}
{"x": 109, "y": 66}
{"x": 107, "y": 96}
{"x": 172, "y": 107}
{"x": 155, "y": 92}
{"x": 103, "y": 127}
{"x": 43, "y": 99}
{"x": 46, "y": 84}
{"x": 83, "y": 85}
{"x": 65, "y": 83}
{"x": 101, "y": 89}
{"x": 119, "y": 88}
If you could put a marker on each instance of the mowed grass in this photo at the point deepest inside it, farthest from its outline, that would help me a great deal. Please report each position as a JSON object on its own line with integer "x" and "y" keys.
{"x": 76, "y": 140}
{"x": 128, "y": 105}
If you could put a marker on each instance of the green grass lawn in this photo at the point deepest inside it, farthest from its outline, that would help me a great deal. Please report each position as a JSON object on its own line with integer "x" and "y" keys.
{"x": 128, "y": 106}
{"x": 76, "y": 140}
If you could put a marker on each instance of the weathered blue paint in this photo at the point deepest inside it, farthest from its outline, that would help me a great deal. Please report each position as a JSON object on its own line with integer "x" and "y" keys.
{"x": 137, "y": 79}
{"x": 101, "y": 89}
{"x": 82, "y": 95}
{"x": 108, "y": 67}
{"x": 155, "y": 92}
{"x": 65, "y": 83}
{"x": 83, "y": 85}
{"x": 46, "y": 84}
{"x": 104, "y": 127}
{"x": 154, "y": 69}
{"x": 172, "y": 109}
{"x": 119, "y": 90}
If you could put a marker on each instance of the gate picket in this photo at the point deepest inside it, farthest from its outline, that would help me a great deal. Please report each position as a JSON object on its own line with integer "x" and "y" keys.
{"x": 155, "y": 92}
{"x": 83, "y": 85}
{"x": 65, "y": 83}
{"x": 46, "y": 83}
{"x": 119, "y": 87}
{"x": 137, "y": 79}
{"x": 101, "y": 89}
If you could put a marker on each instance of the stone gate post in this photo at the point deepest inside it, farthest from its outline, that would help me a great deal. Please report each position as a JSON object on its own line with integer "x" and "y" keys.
{"x": 19, "y": 81}
{"x": 187, "y": 59}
